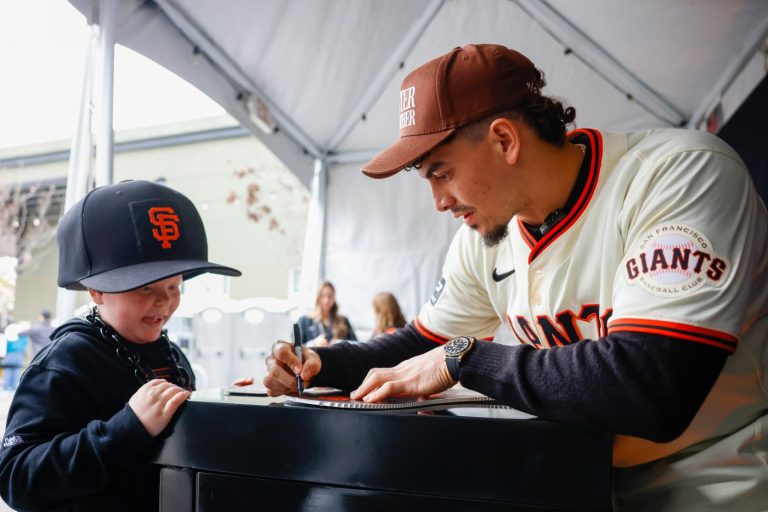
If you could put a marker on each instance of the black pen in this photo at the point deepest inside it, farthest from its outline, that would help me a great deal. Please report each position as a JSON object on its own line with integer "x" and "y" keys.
{"x": 297, "y": 350}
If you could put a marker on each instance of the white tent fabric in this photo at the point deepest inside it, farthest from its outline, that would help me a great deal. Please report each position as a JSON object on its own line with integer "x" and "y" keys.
{"x": 327, "y": 74}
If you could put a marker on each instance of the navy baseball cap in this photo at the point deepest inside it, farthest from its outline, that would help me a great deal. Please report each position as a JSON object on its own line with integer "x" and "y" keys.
{"x": 125, "y": 236}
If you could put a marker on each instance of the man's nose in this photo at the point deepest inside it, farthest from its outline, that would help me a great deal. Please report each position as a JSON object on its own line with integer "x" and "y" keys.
{"x": 443, "y": 200}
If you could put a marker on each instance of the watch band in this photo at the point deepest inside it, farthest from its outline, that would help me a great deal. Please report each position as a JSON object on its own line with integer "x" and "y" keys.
{"x": 453, "y": 367}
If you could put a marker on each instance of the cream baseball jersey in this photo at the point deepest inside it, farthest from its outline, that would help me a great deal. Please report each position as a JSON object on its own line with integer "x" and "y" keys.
{"x": 668, "y": 237}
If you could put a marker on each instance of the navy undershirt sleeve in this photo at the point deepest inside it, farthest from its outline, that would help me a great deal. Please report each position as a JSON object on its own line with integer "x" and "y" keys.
{"x": 637, "y": 384}
{"x": 345, "y": 365}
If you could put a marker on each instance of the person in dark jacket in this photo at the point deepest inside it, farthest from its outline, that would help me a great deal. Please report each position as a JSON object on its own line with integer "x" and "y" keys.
{"x": 91, "y": 405}
{"x": 324, "y": 325}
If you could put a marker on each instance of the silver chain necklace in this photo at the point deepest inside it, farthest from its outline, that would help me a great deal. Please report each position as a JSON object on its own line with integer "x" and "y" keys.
{"x": 130, "y": 358}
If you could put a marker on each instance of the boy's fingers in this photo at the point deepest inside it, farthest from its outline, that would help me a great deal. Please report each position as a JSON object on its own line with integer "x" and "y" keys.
{"x": 169, "y": 392}
{"x": 172, "y": 405}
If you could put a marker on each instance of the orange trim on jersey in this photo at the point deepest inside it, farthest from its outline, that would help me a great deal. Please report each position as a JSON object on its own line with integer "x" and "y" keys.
{"x": 437, "y": 338}
{"x": 433, "y": 336}
{"x": 595, "y": 141}
{"x": 527, "y": 237}
{"x": 676, "y": 330}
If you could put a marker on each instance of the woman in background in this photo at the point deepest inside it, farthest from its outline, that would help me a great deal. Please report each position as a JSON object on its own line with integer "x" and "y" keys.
{"x": 324, "y": 325}
{"x": 389, "y": 318}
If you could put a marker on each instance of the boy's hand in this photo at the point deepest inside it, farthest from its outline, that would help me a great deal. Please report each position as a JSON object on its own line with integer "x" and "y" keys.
{"x": 243, "y": 381}
{"x": 283, "y": 366}
{"x": 155, "y": 403}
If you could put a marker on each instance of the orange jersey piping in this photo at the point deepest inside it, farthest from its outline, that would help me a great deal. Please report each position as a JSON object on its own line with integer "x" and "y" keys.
{"x": 676, "y": 330}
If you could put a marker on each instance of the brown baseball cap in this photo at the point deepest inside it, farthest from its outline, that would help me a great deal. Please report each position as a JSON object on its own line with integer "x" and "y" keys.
{"x": 464, "y": 85}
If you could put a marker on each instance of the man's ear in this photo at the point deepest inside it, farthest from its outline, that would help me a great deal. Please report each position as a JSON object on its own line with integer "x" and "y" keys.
{"x": 505, "y": 135}
{"x": 98, "y": 297}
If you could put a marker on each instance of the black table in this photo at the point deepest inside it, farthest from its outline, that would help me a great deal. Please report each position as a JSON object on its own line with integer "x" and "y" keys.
{"x": 234, "y": 453}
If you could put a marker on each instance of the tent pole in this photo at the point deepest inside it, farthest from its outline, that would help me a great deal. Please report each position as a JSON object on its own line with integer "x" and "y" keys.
{"x": 105, "y": 133}
{"x": 80, "y": 159}
{"x": 313, "y": 261}
{"x": 235, "y": 75}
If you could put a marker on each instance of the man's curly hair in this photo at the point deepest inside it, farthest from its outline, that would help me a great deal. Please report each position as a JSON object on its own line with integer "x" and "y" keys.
{"x": 550, "y": 117}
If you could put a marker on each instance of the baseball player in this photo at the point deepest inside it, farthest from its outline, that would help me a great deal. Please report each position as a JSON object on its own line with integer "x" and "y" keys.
{"x": 631, "y": 268}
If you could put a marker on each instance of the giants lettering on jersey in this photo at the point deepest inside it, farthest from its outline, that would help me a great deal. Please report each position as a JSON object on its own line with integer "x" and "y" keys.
{"x": 562, "y": 329}
{"x": 674, "y": 259}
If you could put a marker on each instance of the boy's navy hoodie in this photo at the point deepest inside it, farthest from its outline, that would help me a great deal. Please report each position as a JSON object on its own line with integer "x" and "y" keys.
{"x": 71, "y": 441}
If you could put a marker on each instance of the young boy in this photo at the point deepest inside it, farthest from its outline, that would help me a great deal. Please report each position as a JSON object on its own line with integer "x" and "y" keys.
{"x": 90, "y": 406}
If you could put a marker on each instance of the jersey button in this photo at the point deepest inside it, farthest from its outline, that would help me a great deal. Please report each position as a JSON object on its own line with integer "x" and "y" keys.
{"x": 536, "y": 299}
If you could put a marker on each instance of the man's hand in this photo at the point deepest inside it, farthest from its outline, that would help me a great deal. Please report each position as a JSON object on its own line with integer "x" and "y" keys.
{"x": 283, "y": 366}
{"x": 422, "y": 375}
{"x": 155, "y": 403}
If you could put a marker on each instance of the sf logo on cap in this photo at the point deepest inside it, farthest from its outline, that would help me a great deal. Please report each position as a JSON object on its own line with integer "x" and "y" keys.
{"x": 167, "y": 223}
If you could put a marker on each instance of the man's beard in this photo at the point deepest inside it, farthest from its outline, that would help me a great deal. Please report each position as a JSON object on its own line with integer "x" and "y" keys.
{"x": 496, "y": 235}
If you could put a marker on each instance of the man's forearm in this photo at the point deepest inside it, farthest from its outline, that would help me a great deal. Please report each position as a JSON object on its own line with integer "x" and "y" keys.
{"x": 636, "y": 384}
{"x": 345, "y": 365}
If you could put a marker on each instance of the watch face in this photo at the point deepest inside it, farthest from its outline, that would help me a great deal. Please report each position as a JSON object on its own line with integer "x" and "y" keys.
{"x": 457, "y": 346}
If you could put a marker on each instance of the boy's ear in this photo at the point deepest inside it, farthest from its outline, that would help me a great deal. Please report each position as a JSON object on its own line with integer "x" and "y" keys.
{"x": 98, "y": 297}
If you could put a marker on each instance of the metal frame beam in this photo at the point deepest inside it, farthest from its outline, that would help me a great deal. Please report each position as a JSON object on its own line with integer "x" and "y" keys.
{"x": 234, "y": 74}
{"x": 386, "y": 72}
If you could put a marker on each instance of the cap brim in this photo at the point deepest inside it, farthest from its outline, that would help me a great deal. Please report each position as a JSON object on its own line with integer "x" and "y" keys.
{"x": 403, "y": 152}
{"x": 129, "y": 278}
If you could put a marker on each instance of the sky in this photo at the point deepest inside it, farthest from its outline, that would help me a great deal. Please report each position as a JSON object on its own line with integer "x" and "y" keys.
{"x": 42, "y": 61}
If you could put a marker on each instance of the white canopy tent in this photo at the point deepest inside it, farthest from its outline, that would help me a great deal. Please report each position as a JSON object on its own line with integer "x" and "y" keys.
{"x": 317, "y": 81}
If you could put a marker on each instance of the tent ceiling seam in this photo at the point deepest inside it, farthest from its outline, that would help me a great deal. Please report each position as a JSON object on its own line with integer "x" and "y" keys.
{"x": 232, "y": 72}
{"x": 600, "y": 61}
{"x": 386, "y": 72}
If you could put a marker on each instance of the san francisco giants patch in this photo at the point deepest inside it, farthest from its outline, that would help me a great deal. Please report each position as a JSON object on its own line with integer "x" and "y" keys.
{"x": 674, "y": 259}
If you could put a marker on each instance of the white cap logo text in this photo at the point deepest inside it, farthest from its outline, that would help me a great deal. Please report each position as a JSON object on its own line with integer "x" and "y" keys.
{"x": 407, "y": 107}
